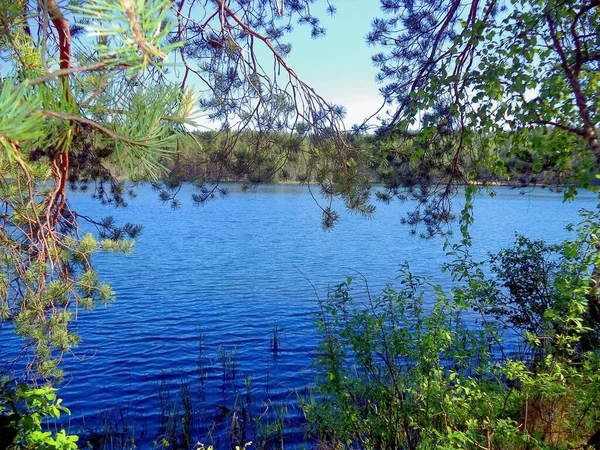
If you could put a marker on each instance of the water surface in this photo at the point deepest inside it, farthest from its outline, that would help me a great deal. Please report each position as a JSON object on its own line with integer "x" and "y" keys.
{"x": 208, "y": 283}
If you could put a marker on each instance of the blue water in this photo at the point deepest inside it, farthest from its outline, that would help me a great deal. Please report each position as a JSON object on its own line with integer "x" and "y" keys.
{"x": 232, "y": 270}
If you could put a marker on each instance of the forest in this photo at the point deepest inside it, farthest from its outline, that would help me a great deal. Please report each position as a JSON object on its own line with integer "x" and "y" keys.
{"x": 477, "y": 95}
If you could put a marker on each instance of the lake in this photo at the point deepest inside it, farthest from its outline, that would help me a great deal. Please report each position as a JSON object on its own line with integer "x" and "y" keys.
{"x": 198, "y": 300}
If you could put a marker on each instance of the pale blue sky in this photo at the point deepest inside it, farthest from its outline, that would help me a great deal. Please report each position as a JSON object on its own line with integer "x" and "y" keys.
{"x": 338, "y": 65}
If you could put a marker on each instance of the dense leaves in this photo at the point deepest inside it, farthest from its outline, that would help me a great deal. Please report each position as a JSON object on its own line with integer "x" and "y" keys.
{"x": 483, "y": 80}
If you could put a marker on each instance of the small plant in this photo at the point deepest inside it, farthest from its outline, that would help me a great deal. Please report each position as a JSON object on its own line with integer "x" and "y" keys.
{"x": 228, "y": 364}
{"x": 201, "y": 366}
{"x": 534, "y": 287}
{"x": 31, "y": 411}
{"x": 178, "y": 418}
{"x": 200, "y": 446}
{"x": 270, "y": 426}
{"x": 117, "y": 431}
{"x": 188, "y": 419}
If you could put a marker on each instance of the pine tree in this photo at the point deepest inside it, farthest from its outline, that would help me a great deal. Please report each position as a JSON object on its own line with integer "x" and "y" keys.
{"x": 88, "y": 98}
{"x": 57, "y": 97}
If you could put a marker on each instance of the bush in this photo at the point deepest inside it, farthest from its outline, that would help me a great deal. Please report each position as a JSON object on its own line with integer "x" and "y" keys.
{"x": 28, "y": 413}
{"x": 405, "y": 369}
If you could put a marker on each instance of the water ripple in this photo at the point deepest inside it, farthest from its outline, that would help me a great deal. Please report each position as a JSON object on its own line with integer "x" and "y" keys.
{"x": 198, "y": 300}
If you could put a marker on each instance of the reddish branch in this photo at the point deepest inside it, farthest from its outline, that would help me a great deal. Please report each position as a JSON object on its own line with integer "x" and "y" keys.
{"x": 306, "y": 89}
{"x": 265, "y": 40}
{"x": 61, "y": 158}
{"x": 69, "y": 70}
{"x": 64, "y": 33}
{"x": 572, "y": 72}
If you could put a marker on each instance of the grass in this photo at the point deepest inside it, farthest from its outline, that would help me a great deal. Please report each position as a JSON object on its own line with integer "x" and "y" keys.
{"x": 184, "y": 417}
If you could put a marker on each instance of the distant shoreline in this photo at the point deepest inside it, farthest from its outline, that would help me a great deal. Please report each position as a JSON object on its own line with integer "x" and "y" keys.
{"x": 495, "y": 183}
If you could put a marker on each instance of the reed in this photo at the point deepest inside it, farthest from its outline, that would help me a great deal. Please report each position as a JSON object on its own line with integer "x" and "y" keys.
{"x": 275, "y": 341}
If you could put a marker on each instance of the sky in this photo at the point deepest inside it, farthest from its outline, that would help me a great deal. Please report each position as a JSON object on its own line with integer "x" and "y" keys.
{"x": 338, "y": 65}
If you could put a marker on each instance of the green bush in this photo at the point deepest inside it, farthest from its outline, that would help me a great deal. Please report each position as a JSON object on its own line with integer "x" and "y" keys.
{"x": 407, "y": 370}
{"x": 29, "y": 412}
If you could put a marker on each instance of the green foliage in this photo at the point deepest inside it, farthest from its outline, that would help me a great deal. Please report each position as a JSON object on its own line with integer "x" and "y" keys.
{"x": 121, "y": 23}
{"x": 408, "y": 370}
{"x": 535, "y": 285}
{"x": 32, "y": 411}
{"x": 21, "y": 118}
{"x": 41, "y": 309}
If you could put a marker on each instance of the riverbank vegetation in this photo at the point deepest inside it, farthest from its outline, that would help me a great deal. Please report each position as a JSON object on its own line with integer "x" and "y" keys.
{"x": 506, "y": 358}
{"x": 382, "y": 160}
{"x": 507, "y": 361}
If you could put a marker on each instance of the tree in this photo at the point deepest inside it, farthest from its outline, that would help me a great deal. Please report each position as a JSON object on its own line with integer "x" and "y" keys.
{"x": 488, "y": 79}
{"x": 87, "y": 95}
{"x": 51, "y": 100}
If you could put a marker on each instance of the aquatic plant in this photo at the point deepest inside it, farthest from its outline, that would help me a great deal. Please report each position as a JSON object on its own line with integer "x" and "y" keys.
{"x": 275, "y": 339}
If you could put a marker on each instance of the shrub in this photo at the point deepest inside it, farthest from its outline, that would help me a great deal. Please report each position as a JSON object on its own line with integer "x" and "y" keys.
{"x": 28, "y": 413}
{"x": 407, "y": 370}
